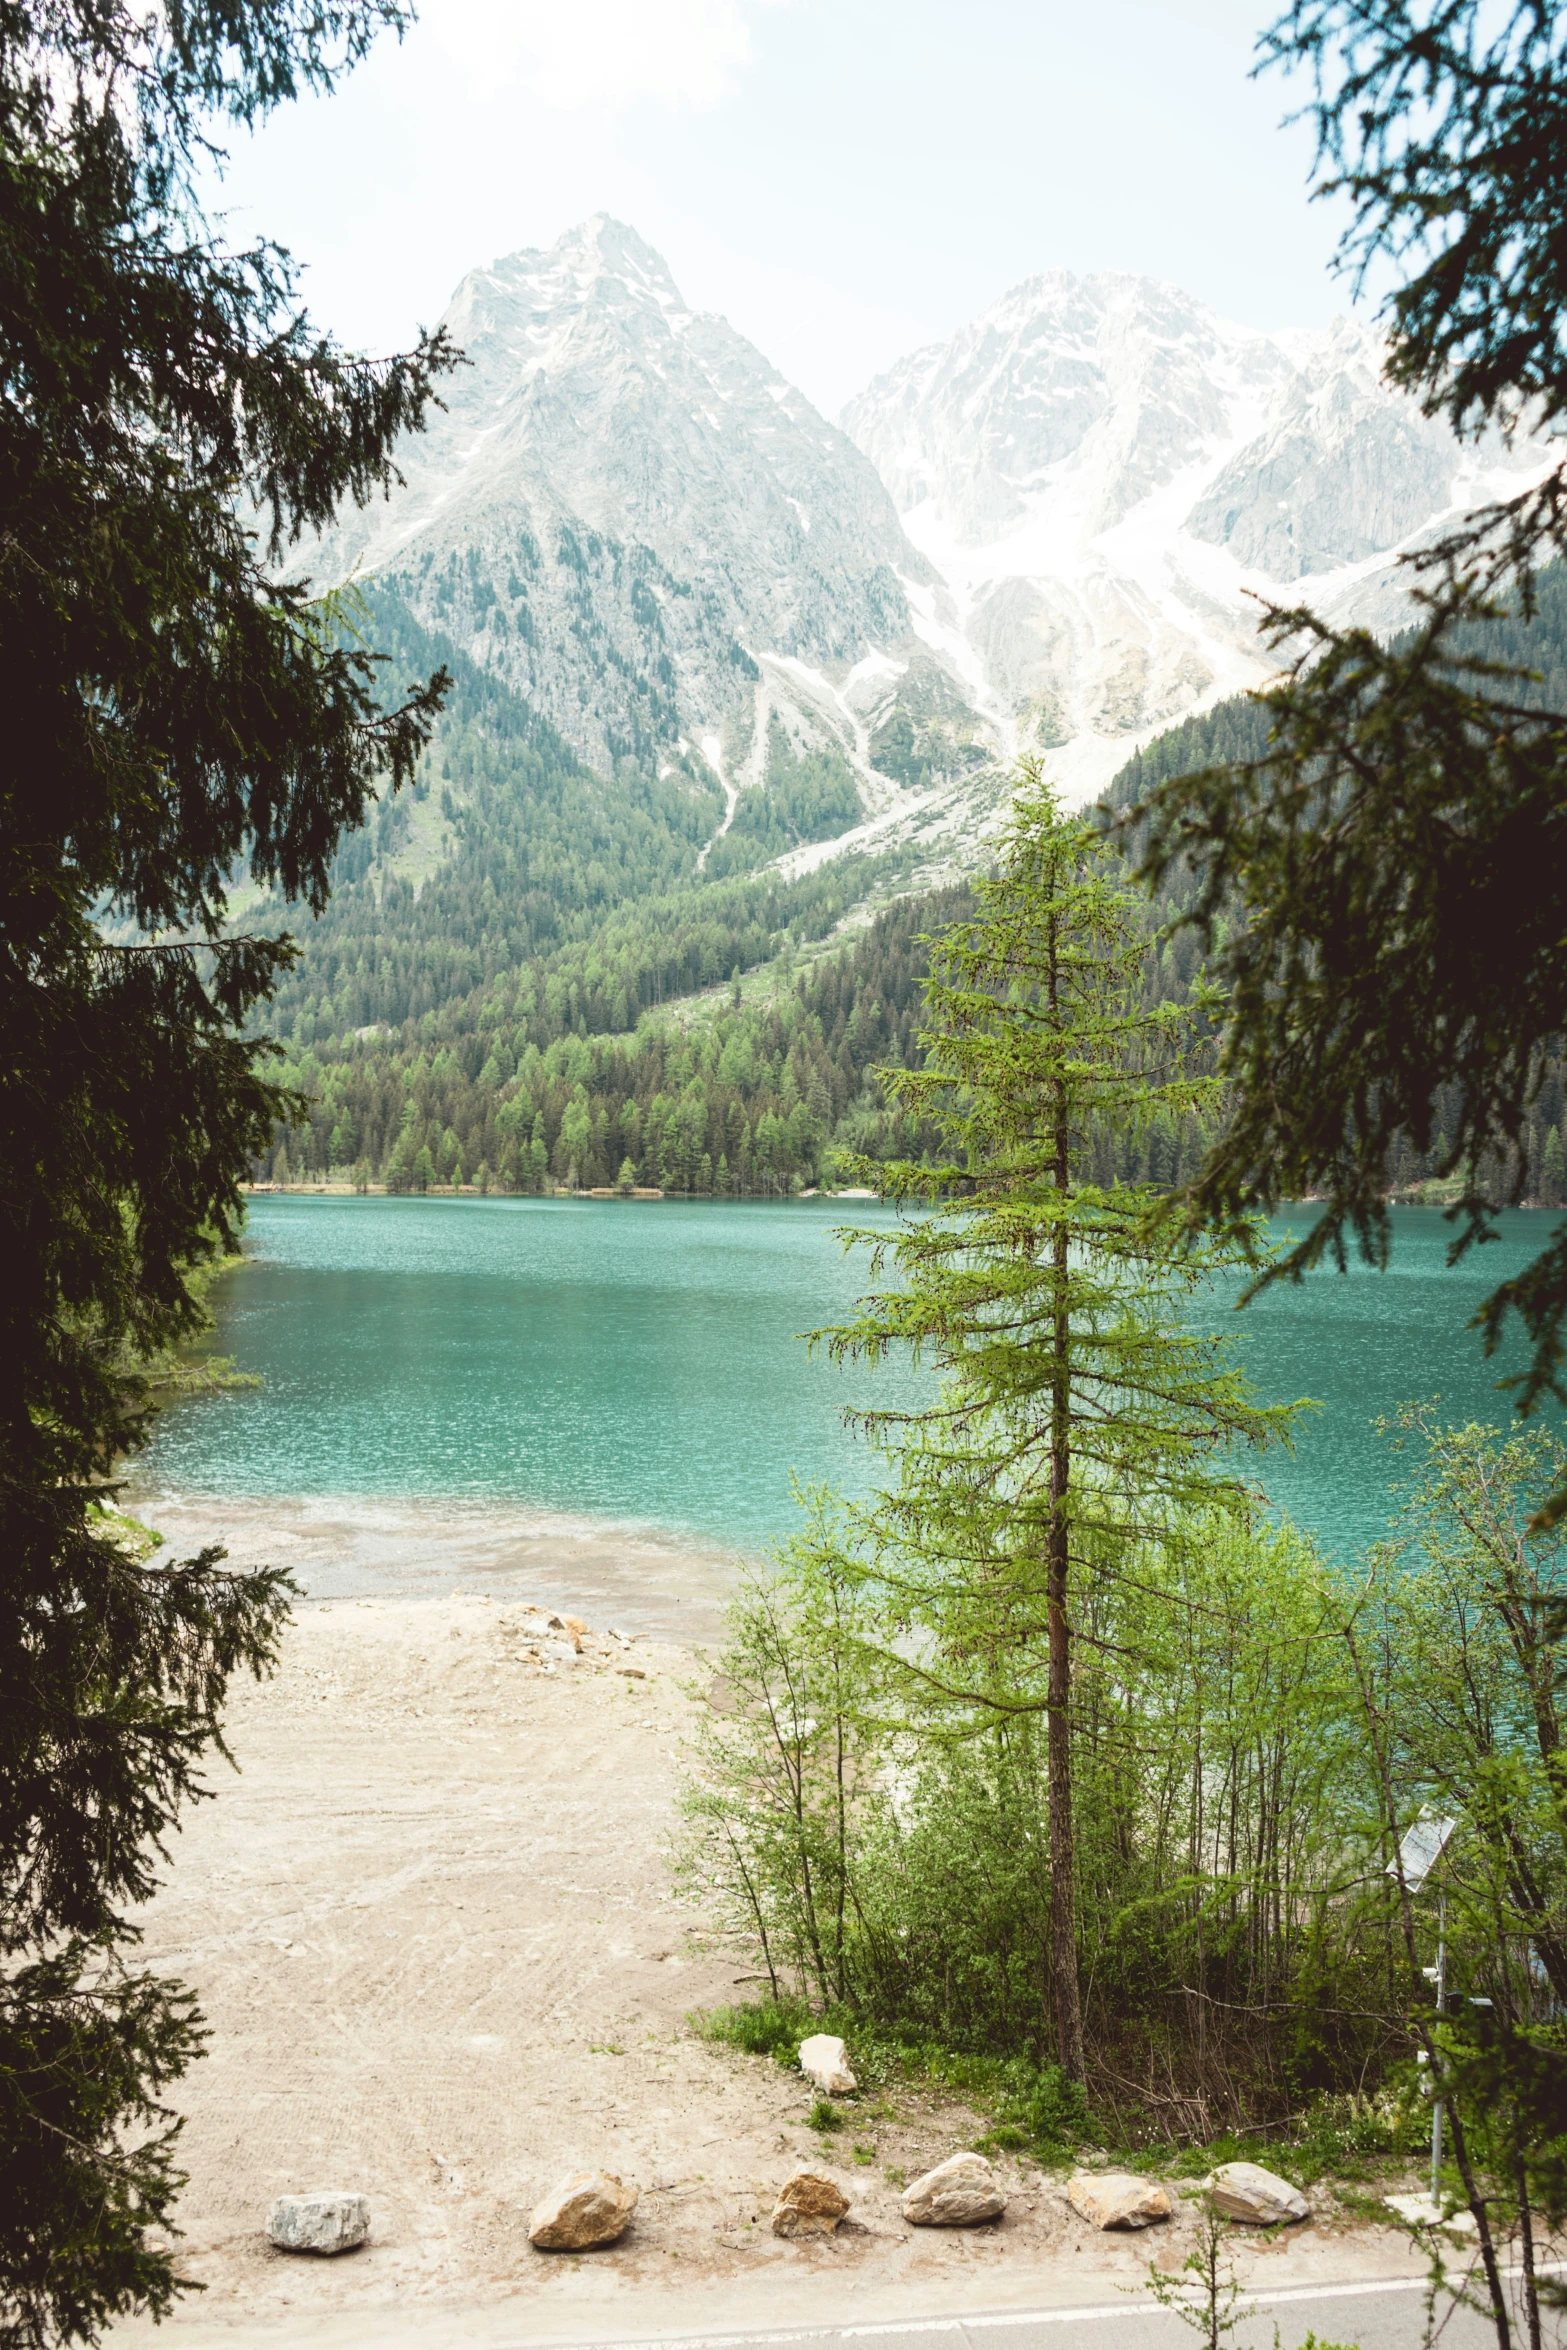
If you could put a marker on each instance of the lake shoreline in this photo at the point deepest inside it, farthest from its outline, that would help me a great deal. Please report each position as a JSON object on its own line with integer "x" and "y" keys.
{"x": 647, "y": 1373}
{"x": 340, "y": 1547}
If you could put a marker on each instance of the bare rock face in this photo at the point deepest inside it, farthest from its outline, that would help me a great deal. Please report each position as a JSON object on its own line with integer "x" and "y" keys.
{"x": 623, "y": 508}
{"x": 1072, "y": 403}
{"x": 591, "y": 2207}
{"x": 825, "y": 2061}
{"x": 1117, "y": 2199}
{"x": 325, "y": 2220}
{"x": 1245, "y": 2191}
{"x": 959, "y": 2193}
{"x": 809, "y": 2206}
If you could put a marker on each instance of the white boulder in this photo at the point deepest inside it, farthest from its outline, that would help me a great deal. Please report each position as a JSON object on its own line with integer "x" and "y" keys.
{"x": 323, "y": 2221}
{"x": 1258, "y": 2197}
{"x": 958, "y": 2193}
{"x": 825, "y": 2061}
{"x": 1117, "y": 2199}
{"x": 588, "y": 2208}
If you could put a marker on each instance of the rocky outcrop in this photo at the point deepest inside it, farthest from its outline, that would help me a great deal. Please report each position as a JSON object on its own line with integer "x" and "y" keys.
{"x": 325, "y": 2220}
{"x": 1258, "y": 2197}
{"x": 809, "y": 2205}
{"x": 825, "y": 2060}
{"x": 959, "y": 2193}
{"x": 1117, "y": 2199}
{"x": 591, "y": 2207}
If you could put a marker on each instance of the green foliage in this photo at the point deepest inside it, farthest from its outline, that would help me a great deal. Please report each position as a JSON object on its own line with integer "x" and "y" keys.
{"x": 85, "y": 2054}
{"x": 764, "y": 1090}
{"x": 1212, "y": 2303}
{"x": 507, "y": 848}
{"x": 1385, "y": 865}
{"x": 1043, "y": 2110}
{"x": 763, "y": 2027}
{"x": 1237, "y": 1739}
{"x": 1221, "y": 1801}
{"x": 812, "y": 798}
{"x": 1460, "y": 1648}
{"x": 170, "y": 424}
{"x": 824, "y": 2116}
{"x": 1081, "y": 1417}
{"x": 1444, "y": 128}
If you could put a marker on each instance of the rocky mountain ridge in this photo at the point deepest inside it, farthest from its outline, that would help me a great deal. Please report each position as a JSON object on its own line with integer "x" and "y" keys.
{"x": 1106, "y": 476}
{"x": 1049, "y": 532}
{"x": 632, "y": 519}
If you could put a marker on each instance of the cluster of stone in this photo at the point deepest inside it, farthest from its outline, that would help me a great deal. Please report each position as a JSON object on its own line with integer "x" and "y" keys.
{"x": 1240, "y": 2190}
{"x": 594, "y": 2207}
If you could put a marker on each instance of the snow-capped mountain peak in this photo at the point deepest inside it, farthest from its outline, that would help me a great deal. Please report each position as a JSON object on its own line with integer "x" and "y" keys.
{"x": 1101, "y": 468}
{"x": 629, "y": 514}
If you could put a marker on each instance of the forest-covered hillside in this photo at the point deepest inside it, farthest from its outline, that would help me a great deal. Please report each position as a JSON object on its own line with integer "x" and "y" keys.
{"x": 508, "y": 851}
{"x": 500, "y": 991}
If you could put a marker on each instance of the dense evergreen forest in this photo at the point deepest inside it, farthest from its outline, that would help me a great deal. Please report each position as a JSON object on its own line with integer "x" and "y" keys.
{"x": 500, "y": 992}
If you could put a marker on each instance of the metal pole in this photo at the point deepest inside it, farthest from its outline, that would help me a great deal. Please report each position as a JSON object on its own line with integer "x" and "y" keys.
{"x": 1436, "y": 2104}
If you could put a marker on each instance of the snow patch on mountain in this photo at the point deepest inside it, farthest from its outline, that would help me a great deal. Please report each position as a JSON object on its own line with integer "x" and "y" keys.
{"x": 629, "y": 515}
{"x": 1106, "y": 477}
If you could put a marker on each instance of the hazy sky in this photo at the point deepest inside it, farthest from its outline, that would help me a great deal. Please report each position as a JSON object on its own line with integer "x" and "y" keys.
{"x": 843, "y": 179}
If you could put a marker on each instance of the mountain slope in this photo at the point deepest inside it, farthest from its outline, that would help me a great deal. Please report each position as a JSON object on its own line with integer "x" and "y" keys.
{"x": 1106, "y": 476}
{"x": 632, "y": 520}
{"x": 538, "y": 1070}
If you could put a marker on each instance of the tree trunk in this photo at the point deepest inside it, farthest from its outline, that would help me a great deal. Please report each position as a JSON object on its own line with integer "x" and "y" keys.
{"x": 1063, "y": 1885}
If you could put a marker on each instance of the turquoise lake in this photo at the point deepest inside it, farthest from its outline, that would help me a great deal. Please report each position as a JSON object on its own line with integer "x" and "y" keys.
{"x": 640, "y": 1364}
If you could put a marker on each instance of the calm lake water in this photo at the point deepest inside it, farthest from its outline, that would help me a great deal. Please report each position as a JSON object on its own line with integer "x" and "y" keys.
{"x": 639, "y": 1364}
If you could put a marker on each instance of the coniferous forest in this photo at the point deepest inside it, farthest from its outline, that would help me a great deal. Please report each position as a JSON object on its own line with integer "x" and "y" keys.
{"x": 522, "y": 979}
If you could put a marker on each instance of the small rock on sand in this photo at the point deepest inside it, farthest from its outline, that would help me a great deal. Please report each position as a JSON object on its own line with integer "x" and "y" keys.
{"x": 825, "y": 2061}
{"x": 959, "y": 2193}
{"x": 1245, "y": 2191}
{"x": 591, "y": 2207}
{"x": 325, "y": 2220}
{"x": 1117, "y": 2199}
{"x": 809, "y": 2206}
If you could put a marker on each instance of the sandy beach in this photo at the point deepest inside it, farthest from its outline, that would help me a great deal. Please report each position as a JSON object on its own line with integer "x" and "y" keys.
{"x": 431, "y": 1924}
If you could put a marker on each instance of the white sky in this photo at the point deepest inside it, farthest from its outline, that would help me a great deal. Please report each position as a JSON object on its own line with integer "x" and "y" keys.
{"x": 843, "y": 179}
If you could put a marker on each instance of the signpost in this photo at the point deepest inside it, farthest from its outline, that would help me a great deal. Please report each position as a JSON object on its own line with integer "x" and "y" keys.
{"x": 1423, "y": 1843}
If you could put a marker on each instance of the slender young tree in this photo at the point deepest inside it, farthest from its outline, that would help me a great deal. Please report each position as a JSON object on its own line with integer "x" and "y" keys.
{"x": 1083, "y": 1414}
{"x": 177, "y": 710}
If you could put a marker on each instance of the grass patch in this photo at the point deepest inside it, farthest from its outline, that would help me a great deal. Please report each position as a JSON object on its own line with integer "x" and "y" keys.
{"x": 762, "y": 2027}
{"x": 1035, "y": 2110}
{"x": 824, "y": 2115}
